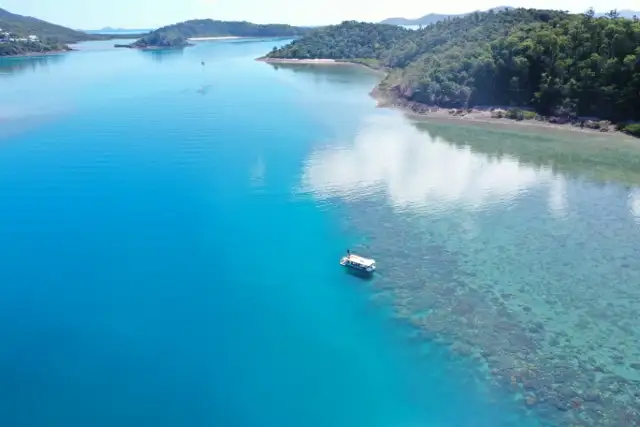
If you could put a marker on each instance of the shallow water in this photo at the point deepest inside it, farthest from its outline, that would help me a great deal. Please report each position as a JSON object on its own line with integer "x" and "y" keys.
{"x": 170, "y": 235}
{"x": 490, "y": 249}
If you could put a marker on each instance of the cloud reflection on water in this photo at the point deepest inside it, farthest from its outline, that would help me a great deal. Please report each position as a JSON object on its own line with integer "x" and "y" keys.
{"x": 634, "y": 204}
{"x": 416, "y": 170}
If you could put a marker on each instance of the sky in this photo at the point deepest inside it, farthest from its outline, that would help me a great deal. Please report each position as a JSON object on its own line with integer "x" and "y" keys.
{"x": 96, "y": 14}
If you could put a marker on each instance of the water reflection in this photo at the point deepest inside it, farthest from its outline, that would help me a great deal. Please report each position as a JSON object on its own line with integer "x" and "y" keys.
{"x": 13, "y": 66}
{"x": 612, "y": 158}
{"x": 634, "y": 204}
{"x": 161, "y": 55}
{"x": 101, "y": 45}
{"x": 522, "y": 288}
{"x": 327, "y": 73}
{"x": 417, "y": 170}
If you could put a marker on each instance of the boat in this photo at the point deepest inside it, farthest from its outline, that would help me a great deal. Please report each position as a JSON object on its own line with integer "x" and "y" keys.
{"x": 358, "y": 262}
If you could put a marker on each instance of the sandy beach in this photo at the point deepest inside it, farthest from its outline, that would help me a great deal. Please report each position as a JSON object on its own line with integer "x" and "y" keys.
{"x": 196, "y": 39}
{"x": 302, "y": 61}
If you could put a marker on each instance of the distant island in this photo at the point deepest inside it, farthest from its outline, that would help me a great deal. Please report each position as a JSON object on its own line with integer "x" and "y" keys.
{"x": 178, "y": 35}
{"x": 525, "y": 63}
{"x": 432, "y": 18}
{"x": 24, "y": 35}
{"x": 121, "y": 30}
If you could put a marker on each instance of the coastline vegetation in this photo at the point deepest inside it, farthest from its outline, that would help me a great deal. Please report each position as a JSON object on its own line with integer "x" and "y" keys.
{"x": 24, "y": 35}
{"x": 178, "y": 35}
{"x": 24, "y": 26}
{"x": 24, "y": 48}
{"x": 545, "y": 63}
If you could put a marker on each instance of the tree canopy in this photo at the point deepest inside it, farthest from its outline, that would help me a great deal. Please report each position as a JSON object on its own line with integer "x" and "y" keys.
{"x": 554, "y": 62}
{"x": 349, "y": 40}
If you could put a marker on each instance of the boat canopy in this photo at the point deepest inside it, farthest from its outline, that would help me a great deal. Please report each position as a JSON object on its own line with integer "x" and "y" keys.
{"x": 365, "y": 262}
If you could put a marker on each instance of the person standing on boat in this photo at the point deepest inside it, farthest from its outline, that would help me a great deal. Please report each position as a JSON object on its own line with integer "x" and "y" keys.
{"x": 348, "y": 253}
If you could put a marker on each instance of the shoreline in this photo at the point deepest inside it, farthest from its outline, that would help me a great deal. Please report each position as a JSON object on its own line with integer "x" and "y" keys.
{"x": 195, "y": 39}
{"x": 478, "y": 114}
{"x": 303, "y": 61}
{"x": 490, "y": 115}
{"x": 484, "y": 115}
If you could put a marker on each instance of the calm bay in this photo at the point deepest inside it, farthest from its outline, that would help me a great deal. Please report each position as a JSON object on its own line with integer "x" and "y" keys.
{"x": 170, "y": 235}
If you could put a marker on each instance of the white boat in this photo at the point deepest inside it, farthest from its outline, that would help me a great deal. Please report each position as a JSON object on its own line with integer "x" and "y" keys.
{"x": 358, "y": 262}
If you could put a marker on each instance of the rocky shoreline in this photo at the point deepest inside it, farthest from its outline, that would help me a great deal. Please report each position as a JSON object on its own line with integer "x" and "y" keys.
{"x": 493, "y": 114}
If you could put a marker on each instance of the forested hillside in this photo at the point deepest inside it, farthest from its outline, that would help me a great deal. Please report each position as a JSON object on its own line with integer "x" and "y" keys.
{"x": 27, "y": 25}
{"x": 557, "y": 63}
{"x": 349, "y": 40}
{"x": 177, "y": 35}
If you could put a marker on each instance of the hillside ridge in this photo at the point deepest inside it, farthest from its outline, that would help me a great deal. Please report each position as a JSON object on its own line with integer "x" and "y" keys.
{"x": 432, "y": 18}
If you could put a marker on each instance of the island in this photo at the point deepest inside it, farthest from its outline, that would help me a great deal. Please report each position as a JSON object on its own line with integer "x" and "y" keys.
{"x": 178, "y": 35}
{"x": 525, "y": 64}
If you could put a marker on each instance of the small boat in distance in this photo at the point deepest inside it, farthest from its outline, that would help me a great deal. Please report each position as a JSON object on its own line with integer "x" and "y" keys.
{"x": 359, "y": 263}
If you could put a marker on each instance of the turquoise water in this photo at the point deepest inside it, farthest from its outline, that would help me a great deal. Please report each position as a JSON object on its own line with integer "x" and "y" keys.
{"x": 169, "y": 237}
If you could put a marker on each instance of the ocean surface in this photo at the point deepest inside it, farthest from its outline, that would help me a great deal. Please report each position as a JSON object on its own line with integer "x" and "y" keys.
{"x": 170, "y": 235}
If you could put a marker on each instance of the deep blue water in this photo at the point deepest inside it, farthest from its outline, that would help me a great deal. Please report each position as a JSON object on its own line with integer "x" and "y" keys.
{"x": 166, "y": 258}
